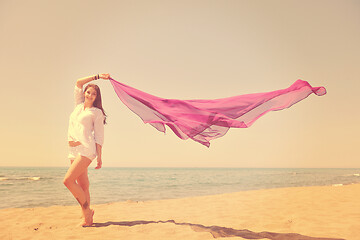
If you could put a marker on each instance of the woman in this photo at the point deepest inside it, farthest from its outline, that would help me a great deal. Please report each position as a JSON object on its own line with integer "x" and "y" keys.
{"x": 85, "y": 137}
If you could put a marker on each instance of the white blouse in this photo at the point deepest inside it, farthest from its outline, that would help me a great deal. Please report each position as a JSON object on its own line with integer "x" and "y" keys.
{"x": 86, "y": 125}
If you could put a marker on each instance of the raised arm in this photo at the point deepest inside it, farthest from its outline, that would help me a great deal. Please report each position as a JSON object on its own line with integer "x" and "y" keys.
{"x": 81, "y": 81}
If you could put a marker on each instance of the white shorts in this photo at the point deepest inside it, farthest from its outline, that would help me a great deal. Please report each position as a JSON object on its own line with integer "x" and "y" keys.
{"x": 80, "y": 150}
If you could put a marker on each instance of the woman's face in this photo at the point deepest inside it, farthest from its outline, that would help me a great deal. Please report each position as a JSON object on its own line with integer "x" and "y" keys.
{"x": 90, "y": 95}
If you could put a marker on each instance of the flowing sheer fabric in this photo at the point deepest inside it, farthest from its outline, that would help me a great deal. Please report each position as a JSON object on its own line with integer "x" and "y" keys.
{"x": 206, "y": 119}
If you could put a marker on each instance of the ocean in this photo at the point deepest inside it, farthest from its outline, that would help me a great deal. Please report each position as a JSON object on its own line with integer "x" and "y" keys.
{"x": 40, "y": 186}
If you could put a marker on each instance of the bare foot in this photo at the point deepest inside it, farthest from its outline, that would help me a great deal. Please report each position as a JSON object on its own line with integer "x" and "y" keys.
{"x": 82, "y": 214}
{"x": 88, "y": 221}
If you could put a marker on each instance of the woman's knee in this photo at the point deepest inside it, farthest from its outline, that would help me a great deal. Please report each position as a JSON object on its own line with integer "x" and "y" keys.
{"x": 67, "y": 181}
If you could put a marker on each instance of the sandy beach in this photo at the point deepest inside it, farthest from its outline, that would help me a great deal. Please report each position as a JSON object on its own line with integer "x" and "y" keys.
{"x": 321, "y": 212}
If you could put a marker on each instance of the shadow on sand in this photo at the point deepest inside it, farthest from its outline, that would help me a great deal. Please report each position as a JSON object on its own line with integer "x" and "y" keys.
{"x": 217, "y": 231}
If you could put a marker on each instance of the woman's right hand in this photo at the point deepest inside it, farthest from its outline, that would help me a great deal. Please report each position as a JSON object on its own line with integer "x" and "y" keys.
{"x": 104, "y": 76}
{"x": 74, "y": 143}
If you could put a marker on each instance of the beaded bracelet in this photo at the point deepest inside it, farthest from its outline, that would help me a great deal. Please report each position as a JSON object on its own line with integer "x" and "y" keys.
{"x": 97, "y": 77}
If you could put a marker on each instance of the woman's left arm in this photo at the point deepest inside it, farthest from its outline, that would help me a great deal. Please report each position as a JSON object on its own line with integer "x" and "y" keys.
{"x": 98, "y": 152}
{"x": 99, "y": 137}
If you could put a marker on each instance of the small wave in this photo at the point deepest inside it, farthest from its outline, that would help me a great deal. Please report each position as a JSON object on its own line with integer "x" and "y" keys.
{"x": 34, "y": 178}
{"x": 338, "y": 185}
{"x": 352, "y": 175}
{"x": 27, "y": 178}
{"x": 20, "y": 178}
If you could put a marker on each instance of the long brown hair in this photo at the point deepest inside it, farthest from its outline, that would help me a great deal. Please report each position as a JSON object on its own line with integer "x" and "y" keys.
{"x": 97, "y": 103}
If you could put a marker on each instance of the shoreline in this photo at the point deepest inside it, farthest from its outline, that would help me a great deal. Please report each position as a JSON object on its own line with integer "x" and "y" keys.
{"x": 312, "y": 212}
{"x": 185, "y": 197}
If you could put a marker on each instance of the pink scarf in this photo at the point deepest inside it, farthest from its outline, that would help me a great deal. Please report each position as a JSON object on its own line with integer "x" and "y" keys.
{"x": 203, "y": 120}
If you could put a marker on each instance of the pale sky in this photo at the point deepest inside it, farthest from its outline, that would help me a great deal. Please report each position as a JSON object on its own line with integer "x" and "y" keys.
{"x": 186, "y": 50}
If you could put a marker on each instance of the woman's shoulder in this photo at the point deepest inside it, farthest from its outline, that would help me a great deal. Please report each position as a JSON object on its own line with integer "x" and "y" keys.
{"x": 97, "y": 111}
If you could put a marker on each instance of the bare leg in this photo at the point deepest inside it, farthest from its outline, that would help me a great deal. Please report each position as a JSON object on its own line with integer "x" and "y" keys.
{"x": 78, "y": 167}
{"x": 84, "y": 183}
